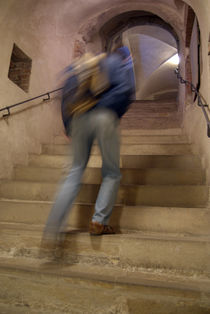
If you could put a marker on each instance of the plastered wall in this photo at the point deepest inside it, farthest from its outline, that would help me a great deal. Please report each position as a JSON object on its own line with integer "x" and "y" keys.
{"x": 33, "y": 26}
{"x": 194, "y": 121}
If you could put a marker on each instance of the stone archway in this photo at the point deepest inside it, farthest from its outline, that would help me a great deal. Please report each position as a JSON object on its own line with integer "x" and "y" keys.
{"x": 112, "y": 30}
{"x": 99, "y": 33}
{"x": 152, "y": 42}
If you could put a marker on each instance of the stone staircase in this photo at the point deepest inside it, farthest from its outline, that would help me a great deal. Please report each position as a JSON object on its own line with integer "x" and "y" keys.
{"x": 158, "y": 262}
{"x": 157, "y": 114}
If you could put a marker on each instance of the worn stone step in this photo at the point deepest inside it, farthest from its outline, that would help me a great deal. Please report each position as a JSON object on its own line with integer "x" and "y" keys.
{"x": 139, "y": 139}
{"x": 49, "y": 288}
{"x": 177, "y": 195}
{"x": 154, "y": 106}
{"x": 154, "y": 195}
{"x": 151, "y": 113}
{"x": 125, "y": 149}
{"x": 129, "y": 176}
{"x": 143, "y": 218}
{"x": 185, "y": 254}
{"x": 129, "y": 161}
{"x": 63, "y": 139}
{"x": 156, "y": 132}
{"x": 152, "y": 122}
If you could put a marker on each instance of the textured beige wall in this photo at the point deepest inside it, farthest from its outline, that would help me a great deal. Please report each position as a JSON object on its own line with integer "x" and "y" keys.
{"x": 36, "y": 28}
{"x": 194, "y": 122}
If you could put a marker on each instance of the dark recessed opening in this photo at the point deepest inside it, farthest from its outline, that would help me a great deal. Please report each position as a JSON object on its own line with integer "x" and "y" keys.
{"x": 20, "y": 68}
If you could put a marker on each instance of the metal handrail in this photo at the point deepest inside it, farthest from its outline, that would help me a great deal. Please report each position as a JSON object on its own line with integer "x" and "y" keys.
{"x": 28, "y": 100}
{"x": 201, "y": 101}
{"x": 183, "y": 81}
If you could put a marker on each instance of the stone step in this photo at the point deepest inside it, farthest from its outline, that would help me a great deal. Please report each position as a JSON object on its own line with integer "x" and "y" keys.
{"x": 129, "y": 176}
{"x": 129, "y": 161}
{"x": 139, "y": 139}
{"x": 151, "y": 122}
{"x": 144, "y": 218}
{"x": 153, "y": 106}
{"x": 131, "y": 149}
{"x": 184, "y": 254}
{"x": 47, "y": 288}
{"x": 152, "y": 195}
{"x": 151, "y": 113}
{"x": 156, "y": 132}
{"x": 154, "y": 139}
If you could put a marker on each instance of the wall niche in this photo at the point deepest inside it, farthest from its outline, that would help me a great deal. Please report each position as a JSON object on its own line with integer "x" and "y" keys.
{"x": 20, "y": 68}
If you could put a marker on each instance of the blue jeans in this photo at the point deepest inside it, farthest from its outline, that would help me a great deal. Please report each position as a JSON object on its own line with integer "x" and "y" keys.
{"x": 100, "y": 124}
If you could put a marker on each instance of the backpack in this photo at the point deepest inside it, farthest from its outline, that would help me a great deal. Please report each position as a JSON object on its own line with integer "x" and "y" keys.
{"x": 85, "y": 82}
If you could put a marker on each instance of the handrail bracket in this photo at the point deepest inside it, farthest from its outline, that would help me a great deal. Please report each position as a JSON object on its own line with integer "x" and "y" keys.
{"x": 23, "y": 102}
{"x": 8, "y": 113}
{"x": 48, "y": 95}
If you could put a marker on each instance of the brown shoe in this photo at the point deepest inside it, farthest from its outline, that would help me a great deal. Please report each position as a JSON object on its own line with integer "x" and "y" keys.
{"x": 97, "y": 228}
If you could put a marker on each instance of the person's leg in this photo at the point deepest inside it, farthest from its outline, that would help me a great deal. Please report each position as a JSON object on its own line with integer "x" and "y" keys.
{"x": 108, "y": 139}
{"x": 81, "y": 143}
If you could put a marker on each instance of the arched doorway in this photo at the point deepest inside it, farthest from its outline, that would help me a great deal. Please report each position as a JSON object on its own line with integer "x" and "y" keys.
{"x": 154, "y": 45}
{"x": 155, "y": 55}
{"x": 153, "y": 41}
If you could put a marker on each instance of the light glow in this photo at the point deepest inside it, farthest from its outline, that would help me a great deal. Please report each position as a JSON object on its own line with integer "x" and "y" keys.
{"x": 174, "y": 59}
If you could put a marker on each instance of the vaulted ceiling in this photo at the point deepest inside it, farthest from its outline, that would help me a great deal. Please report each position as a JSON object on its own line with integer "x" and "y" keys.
{"x": 152, "y": 48}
